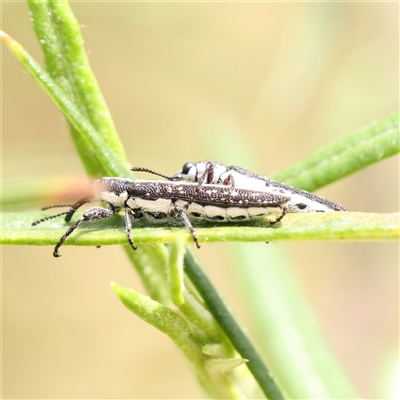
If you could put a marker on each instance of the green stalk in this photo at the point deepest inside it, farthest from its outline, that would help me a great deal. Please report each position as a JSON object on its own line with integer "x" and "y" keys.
{"x": 232, "y": 329}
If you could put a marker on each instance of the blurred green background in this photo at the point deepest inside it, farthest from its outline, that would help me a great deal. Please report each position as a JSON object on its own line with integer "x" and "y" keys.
{"x": 260, "y": 85}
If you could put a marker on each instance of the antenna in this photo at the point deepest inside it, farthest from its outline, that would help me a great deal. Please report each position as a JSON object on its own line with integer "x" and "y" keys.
{"x": 141, "y": 169}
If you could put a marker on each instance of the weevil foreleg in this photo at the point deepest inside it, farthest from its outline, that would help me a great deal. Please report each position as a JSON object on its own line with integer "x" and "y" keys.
{"x": 93, "y": 214}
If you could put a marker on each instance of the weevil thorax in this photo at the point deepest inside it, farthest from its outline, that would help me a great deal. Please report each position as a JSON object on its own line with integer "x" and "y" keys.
{"x": 112, "y": 190}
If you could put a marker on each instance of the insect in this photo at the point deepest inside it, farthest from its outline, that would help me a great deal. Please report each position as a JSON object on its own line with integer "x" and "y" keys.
{"x": 159, "y": 200}
{"x": 207, "y": 172}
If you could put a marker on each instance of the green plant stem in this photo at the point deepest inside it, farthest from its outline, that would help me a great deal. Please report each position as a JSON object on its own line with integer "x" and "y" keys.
{"x": 175, "y": 275}
{"x": 231, "y": 328}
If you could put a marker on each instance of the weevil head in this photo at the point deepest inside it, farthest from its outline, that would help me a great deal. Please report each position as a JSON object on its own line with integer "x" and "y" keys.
{"x": 193, "y": 171}
{"x": 188, "y": 172}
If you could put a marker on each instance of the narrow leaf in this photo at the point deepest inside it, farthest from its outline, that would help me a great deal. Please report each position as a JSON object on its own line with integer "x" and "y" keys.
{"x": 57, "y": 29}
{"x": 339, "y": 226}
{"x": 287, "y": 327}
{"x": 354, "y": 152}
{"x": 110, "y": 161}
{"x": 163, "y": 318}
{"x": 59, "y": 33}
{"x": 232, "y": 329}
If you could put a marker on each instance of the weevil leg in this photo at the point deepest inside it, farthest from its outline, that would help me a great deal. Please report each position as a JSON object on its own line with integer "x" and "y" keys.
{"x": 93, "y": 214}
{"x": 179, "y": 211}
{"x": 284, "y": 211}
{"x": 229, "y": 181}
{"x": 206, "y": 177}
{"x": 129, "y": 215}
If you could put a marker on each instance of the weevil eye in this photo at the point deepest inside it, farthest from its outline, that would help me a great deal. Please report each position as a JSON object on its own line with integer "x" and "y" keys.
{"x": 187, "y": 167}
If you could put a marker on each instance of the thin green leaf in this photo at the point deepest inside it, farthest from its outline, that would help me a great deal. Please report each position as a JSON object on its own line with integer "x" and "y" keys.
{"x": 354, "y": 152}
{"x": 59, "y": 33}
{"x": 111, "y": 163}
{"x": 282, "y": 316}
{"x": 170, "y": 322}
{"x": 163, "y": 318}
{"x": 340, "y": 226}
{"x": 231, "y": 328}
{"x": 57, "y": 29}
{"x": 200, "y": 317}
